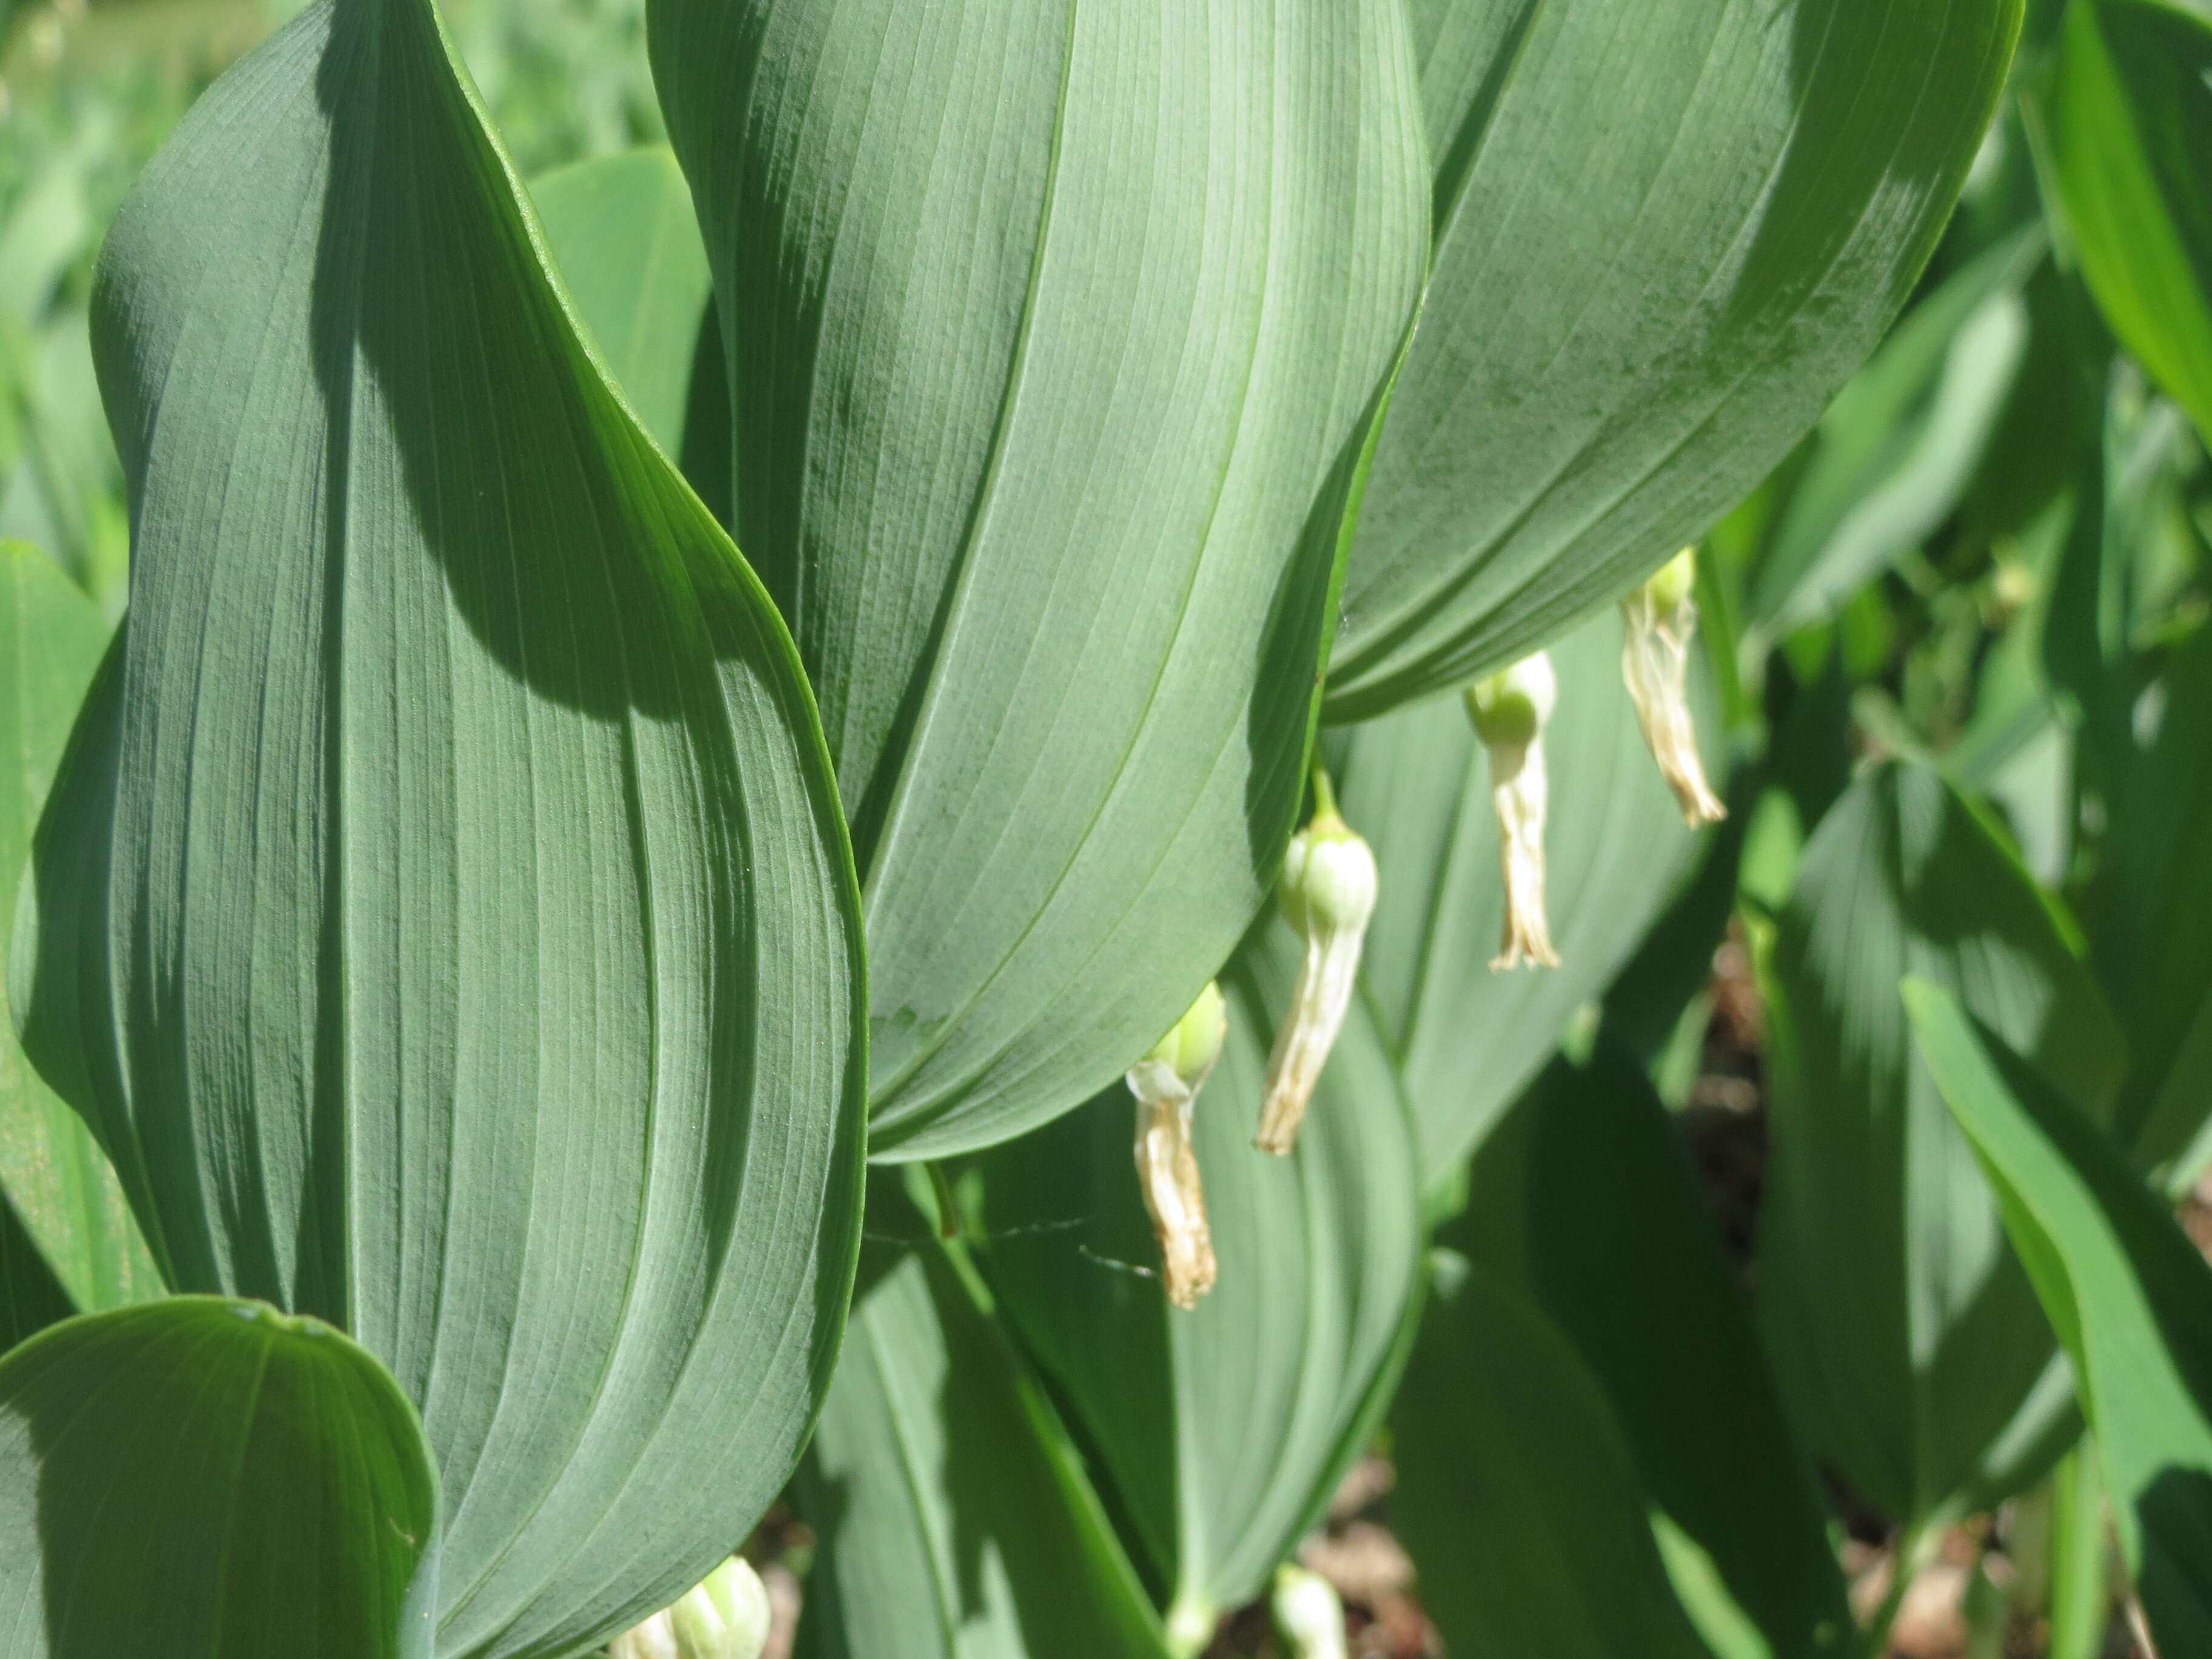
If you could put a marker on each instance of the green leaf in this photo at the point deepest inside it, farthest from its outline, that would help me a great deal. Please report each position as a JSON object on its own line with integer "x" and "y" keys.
{"x": 199, "y": 1478}
{"x": 2091, "y": 622}
{"x": 2156, "y": 957}
{"x": 2126, "y": 1291}
{"x": 2129, "y": 129}
{"x": 443, "y": 912}
{"x": 1582, "y": 1200}
{"x": 1899, "y": 446}
{"x": 951, "y": 1512}
{"x": 1665, "y": 238}
{"x": 31, "y": 1298}
{"x": 56, "y": 1183}
{"x": 1517, "y": 1494}
{"x": 66, "y": 491}
{"x": 1041, "y": 349}
{"x": 621, "y": 232}
{"x": 2080, "y": 1558}
{"x": 1224, "y": 1430}
{"x": 1903, "y": 1334}
{"x": 1466, "y": 1041}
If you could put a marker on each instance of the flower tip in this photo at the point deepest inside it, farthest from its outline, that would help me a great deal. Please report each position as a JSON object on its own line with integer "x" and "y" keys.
{"x": 1308, "y": 1614}
{"x": 1282, "y": 1114}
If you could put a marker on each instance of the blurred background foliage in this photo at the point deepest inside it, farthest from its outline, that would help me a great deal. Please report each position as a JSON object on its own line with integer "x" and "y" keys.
{"x": 87, "y": 94}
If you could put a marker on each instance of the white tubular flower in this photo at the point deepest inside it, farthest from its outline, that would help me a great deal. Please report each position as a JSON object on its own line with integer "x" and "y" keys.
{"x": 1510, "y": 711}
{"x": 1309, "y": 1614}
{"x": 653, "y": 1640}
{"x": 1166, "y": 1082}
{"x": 1655, "y": 661}
{"x": 1327, "y": 893}
{"x": 724, "y": 1617}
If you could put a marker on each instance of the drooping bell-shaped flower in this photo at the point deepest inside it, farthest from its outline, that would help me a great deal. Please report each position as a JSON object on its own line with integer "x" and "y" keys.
{"x": 1662, "y": 619}
{"x": 725, "y": 1616}
{"x": 1309, "y": 1614}
{"x": 1510, "y": 711}
{"x": 1166, "y": 1082}
{"x": 1328, "y": 894}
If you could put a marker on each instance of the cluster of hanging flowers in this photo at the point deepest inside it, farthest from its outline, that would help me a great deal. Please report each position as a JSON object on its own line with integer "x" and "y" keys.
{"x": 1328, "y": 894}
{"x": 724, "y": 1617}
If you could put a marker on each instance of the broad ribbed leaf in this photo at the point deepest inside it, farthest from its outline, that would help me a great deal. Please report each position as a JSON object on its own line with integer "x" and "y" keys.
{"x": 1665, "y": 237}
{"x": 1902, "y": 1329}
{"x": 2130, "y": 130}
{"x": 2127, "y": 1292}
{"x": 952, "y": 1515}
{"x": 2156, "y": 958}
{"x": 1047, "y": 325}
{"x": 1581, "y": 1200}
{"x": 205, "y": 1479}
{"x": 1225, "y": 1430}
{"x": 621, "y": 232}
{"x": 1517, "y": 1494}
{"x": 443, "y": 911}
{"x": 60, "y": 1188}
{"x": 1466, "y": 1041}
{"x": 1899, "y": 446}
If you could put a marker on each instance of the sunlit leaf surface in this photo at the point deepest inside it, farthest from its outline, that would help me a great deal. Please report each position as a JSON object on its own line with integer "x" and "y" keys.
{"x": 1046, "y": 325}
{"x": 2129, "y": 124}
{"x": 1665, "y": 237}
{"x": 2127, "y": 1291}
{"x": 444, "y": 913}
{"x": 205, "y": 1479}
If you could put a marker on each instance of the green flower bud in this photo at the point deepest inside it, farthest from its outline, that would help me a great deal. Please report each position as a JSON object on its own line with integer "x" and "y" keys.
{"x": 1511, "y": 707}
{"x": 724, "y": 1617}
{"x": 1510, "y": 711}
{"x": 1193, "y": 1047}
{"x": 1166, "y": 1082}
{"x": 1307, "y": 1614}
{"x": 1661, "y": 620}
{"x": 1190, "y": 1626}
{"x": 1328, "y": 894}
{"x": 1671, "y": 587}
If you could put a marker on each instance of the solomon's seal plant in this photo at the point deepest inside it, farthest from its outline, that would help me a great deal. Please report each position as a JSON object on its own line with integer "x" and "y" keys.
{"x": 666, "y": 704}
{"x": 1328, "y": 894}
